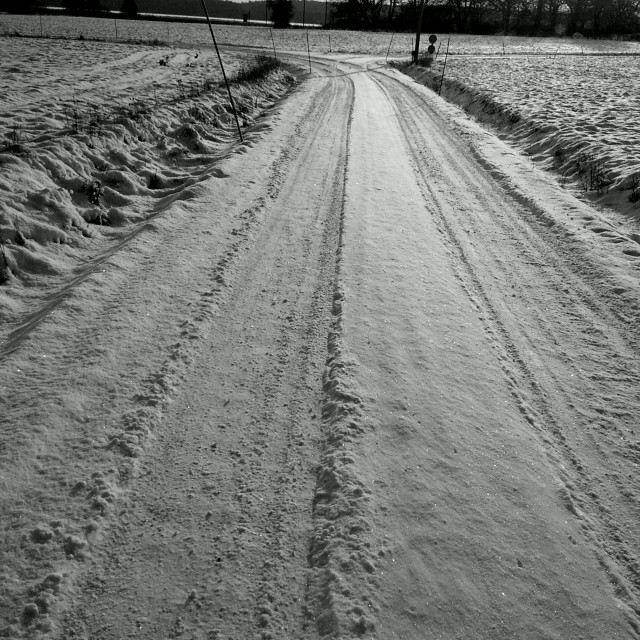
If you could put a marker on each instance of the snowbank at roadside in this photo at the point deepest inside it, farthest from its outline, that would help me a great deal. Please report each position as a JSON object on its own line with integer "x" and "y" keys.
{"x": 100, "y": 137}
{"x": 574, "y": 114}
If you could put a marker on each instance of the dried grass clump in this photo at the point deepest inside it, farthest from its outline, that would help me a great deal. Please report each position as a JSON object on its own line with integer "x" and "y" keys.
{"x": 257, "y": 70}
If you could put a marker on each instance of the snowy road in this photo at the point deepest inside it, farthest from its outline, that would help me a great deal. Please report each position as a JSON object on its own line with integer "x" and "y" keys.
{"x": 376, "y": 376}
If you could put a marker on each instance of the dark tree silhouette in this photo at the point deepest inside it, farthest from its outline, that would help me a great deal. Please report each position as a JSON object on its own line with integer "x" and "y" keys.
{"x": 20, "y": 6}
{"x": 90, "y": 7}
{"x": 281, "y": 13}
{"x": 129, "y": 8}
{"x": 94, "y": 6}
{"x": 73, "y": 6}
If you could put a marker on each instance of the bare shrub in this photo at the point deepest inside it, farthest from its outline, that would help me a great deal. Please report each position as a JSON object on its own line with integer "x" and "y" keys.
{"x": 592, "y": 173}
{"x": 257, "y": 70}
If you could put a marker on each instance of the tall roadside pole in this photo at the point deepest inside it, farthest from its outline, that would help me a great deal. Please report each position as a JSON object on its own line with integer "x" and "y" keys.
{"x": 416, "y": 51}
{"x": 224, "y": 75}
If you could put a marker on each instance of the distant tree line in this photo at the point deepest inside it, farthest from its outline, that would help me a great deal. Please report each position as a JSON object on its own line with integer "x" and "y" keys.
{"x": 593, "y": 18}
{"x": 281, "y": 12}
{"x": 93, "y": 7}
{"x": 76, "y": 7}
{"x": 313, "y": 11}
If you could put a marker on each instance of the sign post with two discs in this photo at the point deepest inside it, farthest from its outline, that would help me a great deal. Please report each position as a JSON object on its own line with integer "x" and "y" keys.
{"x": 433, "y": 38}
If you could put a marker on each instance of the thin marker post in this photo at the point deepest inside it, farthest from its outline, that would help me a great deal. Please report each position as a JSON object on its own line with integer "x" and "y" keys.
{"x": 444, "y": 66}
{"x": 308, "y": 52}
{"x": 390, "y": 43}
{"x": 416, "y": 51}
{"x": 224, "y": 75}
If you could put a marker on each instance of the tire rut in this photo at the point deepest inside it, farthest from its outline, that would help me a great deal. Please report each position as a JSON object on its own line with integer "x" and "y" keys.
{"x": 246, "y": 522}
{"x": 573, "y": 371}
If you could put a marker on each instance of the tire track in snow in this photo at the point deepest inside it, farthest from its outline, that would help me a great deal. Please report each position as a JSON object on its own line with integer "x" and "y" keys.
{"x": 433, "y": 507}
{"x": 343, "y": 581}
{"x": 98, "y": 401}
{"x": 250, "y": 576}
{"x": 299, "y": 351}
{"x": 85, "y": 424}
{"x": 340, "y": 500}
{"x": 528, "y": 256}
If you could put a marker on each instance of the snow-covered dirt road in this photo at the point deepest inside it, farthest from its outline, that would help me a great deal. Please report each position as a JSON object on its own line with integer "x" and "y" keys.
{"x": 376, "y": 376}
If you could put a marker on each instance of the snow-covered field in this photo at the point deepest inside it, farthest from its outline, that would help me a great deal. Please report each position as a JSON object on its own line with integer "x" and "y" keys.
{"x": 342, "y": 41}
{"x": 198, "y": 34}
